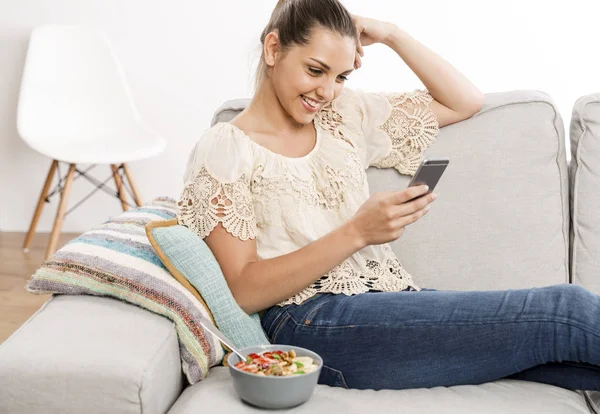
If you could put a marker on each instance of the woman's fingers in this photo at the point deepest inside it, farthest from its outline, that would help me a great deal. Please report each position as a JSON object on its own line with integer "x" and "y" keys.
{"x": 359, "y": 53}
{"x": 401, "y": 222}
{"x": 359, "y": 30}
{"x": 357, "y": 62}
{"x": 410, "y": 193}
{"x": 413, "y": 207}
{"x": 359, "y": 49}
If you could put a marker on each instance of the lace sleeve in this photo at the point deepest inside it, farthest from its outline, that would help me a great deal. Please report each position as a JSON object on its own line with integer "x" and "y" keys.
{"x": 396, "y": 128}
{"x": 212, "y": 195}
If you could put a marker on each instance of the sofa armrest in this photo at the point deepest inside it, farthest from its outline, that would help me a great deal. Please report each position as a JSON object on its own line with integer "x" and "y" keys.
{"x": 86, "y": 354}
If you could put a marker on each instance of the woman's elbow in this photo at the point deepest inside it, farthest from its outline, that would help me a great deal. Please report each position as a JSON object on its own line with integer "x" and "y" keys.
{"x": 476, "y": 104}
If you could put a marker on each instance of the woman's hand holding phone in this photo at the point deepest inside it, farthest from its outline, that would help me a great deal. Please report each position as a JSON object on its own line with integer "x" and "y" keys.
{"x": 383, "y": 217}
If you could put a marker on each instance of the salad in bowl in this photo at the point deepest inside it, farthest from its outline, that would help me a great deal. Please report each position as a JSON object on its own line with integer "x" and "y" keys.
{"x": 275, "y": 376}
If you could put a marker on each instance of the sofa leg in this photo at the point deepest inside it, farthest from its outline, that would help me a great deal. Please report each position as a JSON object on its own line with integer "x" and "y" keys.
{"x": 40, "y": 205}
{"x": 60, "y": 212}
{"x": 136, "y": 195}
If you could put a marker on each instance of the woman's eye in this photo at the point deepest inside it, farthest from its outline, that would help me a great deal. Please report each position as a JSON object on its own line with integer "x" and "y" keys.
{"x": 317, "y": 72}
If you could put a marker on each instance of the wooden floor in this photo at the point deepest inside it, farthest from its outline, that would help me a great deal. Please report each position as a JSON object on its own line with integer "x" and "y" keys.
{"x": 16, "y": 267}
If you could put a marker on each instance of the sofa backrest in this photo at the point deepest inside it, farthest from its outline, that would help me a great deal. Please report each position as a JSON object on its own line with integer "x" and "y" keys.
{"x": 585, "y": 195}
{"x": 502, "y": 216}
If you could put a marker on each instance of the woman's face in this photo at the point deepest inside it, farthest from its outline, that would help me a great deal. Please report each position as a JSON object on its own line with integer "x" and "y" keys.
{"x": 307, "y": 77}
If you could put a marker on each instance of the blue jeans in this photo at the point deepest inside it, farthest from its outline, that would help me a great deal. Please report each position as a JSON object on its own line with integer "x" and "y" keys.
{"x": 410, "y": 339}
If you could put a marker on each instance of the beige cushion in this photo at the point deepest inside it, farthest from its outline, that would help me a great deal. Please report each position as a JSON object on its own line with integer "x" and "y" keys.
{"x": 502, "y": 217}
{"x": 585, "y": 195}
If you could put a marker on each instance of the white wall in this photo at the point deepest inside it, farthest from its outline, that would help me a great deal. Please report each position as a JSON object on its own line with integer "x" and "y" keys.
{"x": 184, "y": 58}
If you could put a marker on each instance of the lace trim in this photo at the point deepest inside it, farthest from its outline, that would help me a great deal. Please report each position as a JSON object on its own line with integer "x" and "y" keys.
{"x": 206, "y": 201}
{"x": 331, "y": 120}
{"x": 344, "y": 278}
{"x": 412, "y": 127}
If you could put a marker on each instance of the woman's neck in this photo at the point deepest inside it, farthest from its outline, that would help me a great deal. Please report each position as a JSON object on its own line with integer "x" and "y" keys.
{"x": 268, "y": 114}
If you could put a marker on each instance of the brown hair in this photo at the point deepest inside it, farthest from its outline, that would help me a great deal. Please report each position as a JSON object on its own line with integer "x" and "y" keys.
{"x": 294, "y": 20}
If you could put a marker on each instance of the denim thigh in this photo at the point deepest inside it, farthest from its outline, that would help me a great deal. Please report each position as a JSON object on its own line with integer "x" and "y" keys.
{"x": 408, "y": 339}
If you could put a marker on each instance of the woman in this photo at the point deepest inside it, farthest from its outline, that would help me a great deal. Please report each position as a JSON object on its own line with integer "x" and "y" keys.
{"x": 280, "y": 196}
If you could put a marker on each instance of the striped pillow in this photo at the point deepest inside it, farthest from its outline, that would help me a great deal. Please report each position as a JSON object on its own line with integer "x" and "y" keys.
{"x": 116, "y": 259}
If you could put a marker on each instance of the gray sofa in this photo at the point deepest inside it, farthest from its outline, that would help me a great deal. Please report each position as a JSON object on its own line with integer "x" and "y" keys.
{"x": 502, "y": 221}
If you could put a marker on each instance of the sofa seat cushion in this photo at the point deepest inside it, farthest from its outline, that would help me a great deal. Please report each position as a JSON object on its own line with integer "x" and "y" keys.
{"x": 501, "y": 397}
{"x": 86, "y": 354}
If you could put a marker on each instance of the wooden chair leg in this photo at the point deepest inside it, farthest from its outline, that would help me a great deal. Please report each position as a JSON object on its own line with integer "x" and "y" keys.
{"x": 40, "y": 205}
{"x": 136, "y": 195}
{"x": 119, "y": 185}
{"x": 60, "y": 213}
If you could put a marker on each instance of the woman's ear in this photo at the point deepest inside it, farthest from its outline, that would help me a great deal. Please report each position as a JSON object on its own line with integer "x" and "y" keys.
{"x": 271, "y": 48}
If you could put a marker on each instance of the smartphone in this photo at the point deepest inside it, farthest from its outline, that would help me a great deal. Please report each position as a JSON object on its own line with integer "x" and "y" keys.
{"x": 429, "y": 173}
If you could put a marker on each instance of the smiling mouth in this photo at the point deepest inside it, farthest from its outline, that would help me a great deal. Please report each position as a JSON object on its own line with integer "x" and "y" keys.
{"x": 312, "y": 103}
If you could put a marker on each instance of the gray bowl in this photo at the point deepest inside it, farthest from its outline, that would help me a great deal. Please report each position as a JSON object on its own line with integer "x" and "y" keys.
{"x": 274, "y": 392}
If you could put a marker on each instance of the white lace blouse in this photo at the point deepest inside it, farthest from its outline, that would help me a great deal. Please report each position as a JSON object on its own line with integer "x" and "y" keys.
{"x": 286, "y": 203}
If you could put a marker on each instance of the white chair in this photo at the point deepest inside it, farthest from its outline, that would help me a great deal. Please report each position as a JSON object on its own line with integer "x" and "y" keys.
{"x": 76, "y": 108}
